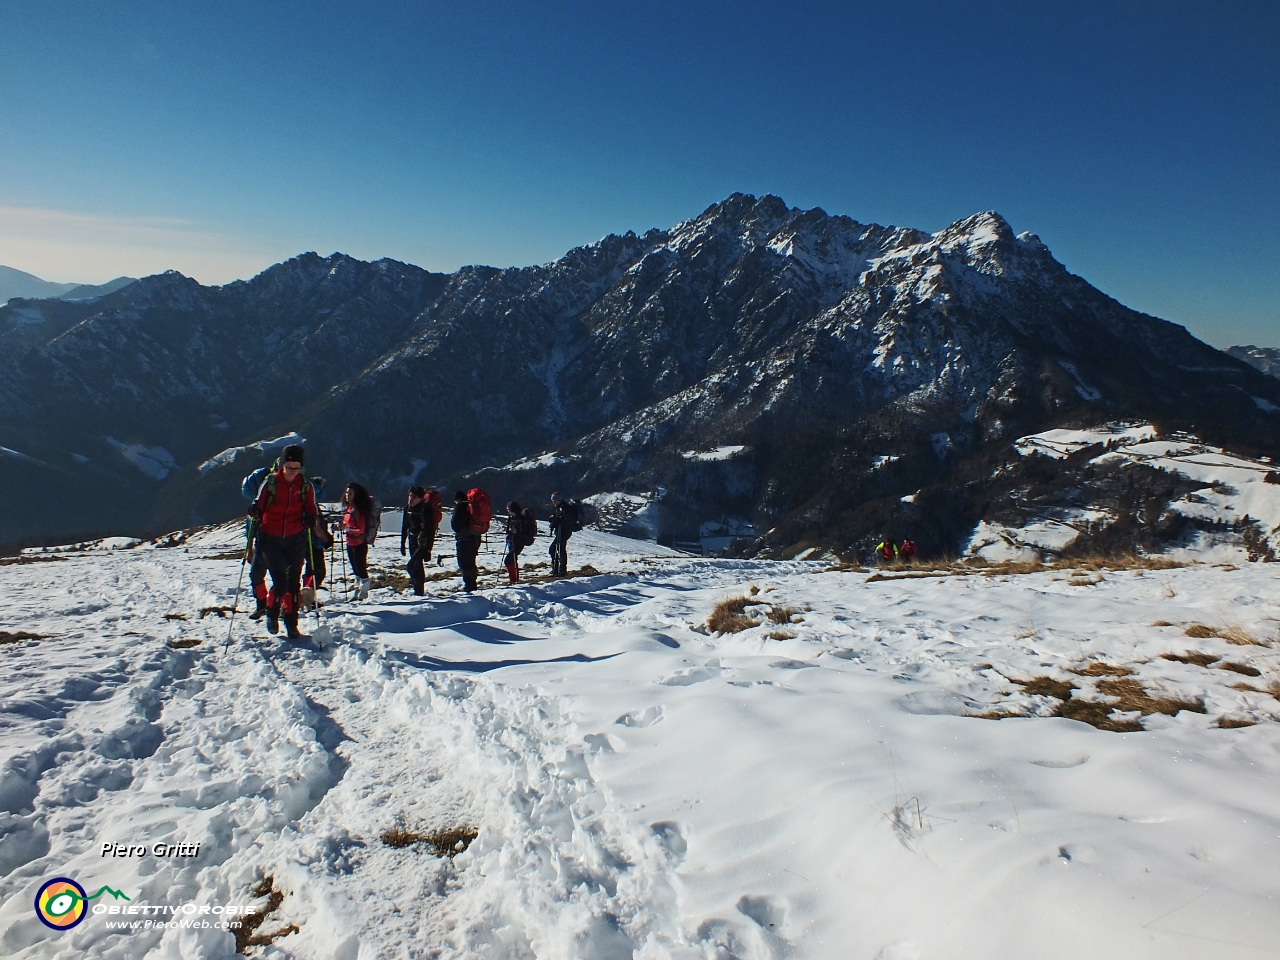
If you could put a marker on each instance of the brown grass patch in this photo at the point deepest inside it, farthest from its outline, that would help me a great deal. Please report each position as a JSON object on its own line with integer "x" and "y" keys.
{"x": 1196, "y": 659}
{"x": 1100, "y": 669}
{"x": 443, "y": 843}
{"x": 1131, "y": 695}
{"x": 18, "y": 636}
{"x": 244, "y": 933}
{"x": 1232, "y": 634}
{"x": 226, "y": 555}
{"x": 1098, "y": 715}
{"x": 1162, "y": 623}
{"x": 728, "y": 616}
{"x": 781, "y": 635}
{"x": 185, "y": 643}
{"x": 1199, "y": 631}
{"x": 397, "y": 580}
{"x": 1234, "y": 723}
{"x": 1047, "y": 687}
{"x": 10, "y": 561}
{"x": 220, "y": 611}
{"x": 175, "y": 616}
{"x": 782, "y": 615}
{"x": 1241, "y": 668}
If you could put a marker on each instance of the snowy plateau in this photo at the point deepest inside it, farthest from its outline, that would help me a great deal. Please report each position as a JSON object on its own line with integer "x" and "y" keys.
{"x": 998, "y": 760}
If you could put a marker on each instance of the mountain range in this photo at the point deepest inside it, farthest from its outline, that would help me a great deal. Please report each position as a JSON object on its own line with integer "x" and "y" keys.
{"x": 790, "y": 377}
{"x": 16, "y": 283}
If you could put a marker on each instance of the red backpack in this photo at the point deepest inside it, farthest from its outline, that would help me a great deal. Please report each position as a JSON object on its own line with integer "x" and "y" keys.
{"x": 433, "y": 504}
{"x": 478, "y": 502}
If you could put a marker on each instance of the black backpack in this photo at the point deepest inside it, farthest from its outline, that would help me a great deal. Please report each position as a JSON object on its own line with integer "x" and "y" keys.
{"x": 575, "y": 515}
{"x": 528, "y": 527}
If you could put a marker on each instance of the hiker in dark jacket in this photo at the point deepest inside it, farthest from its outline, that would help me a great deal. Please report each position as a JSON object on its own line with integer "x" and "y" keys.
{"x": 285, "y": 511}
{"x": 418, "y": 530}
{"x": 519, "y": 535}
{"x": 465, "y": 541}
{"x": 561, "y": 529}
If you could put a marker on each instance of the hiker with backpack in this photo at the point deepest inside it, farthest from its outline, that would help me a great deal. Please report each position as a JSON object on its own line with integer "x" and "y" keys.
{"x": 360, "y": 523}
{"x": 250, "y": 487}
{"x": 566, "y": 517}
{"x": 887, "y": 550}
{"x": 907, "y": 552}
{"x": 284, "y": 513}
{"x": 522, "y": 528}
{"x": 418, "y": 528}
{"x": 470, "y": 522}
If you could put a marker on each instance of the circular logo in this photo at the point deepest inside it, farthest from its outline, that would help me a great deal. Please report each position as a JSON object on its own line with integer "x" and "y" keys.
{"x": 60, "y": 903}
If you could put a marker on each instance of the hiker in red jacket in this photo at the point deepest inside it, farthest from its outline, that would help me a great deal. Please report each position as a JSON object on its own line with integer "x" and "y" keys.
{"x": 360, "y": 525}
{"x": 285, "y": 512}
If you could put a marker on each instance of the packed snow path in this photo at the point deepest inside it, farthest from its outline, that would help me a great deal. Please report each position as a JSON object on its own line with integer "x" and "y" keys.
{"x": 815, "y": 786}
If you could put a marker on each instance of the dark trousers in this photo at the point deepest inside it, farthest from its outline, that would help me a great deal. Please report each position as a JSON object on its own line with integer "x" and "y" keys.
{"x": 468, "y": 549}
{"x": 284, "y": 557}
{"x": 358, "y": 554}
{"x": 421, "y": 554}
{"x": 559, "y": 551}
{"x": 258, "y": 572}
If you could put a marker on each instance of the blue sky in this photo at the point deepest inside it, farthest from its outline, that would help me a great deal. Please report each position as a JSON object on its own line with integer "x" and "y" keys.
{"x": 1140, "y": 141}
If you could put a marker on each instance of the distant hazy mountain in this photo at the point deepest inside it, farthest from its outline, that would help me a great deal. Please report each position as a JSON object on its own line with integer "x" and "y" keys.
{"x": 791, "y": 377}
{"x": 1266, "y": 359}
{"x": 16, "y": 283}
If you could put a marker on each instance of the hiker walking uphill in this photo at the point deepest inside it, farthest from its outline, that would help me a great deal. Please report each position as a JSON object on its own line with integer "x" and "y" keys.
{"x": 284, "y": 513}
{"x": 360, "y": 524}
{"x": 251, "y": 487}
{"x": 418, "y": 530}
{"x": 887, "y": 550}
{"x": 522, "y": 528}
{"x": 565, "y": 519}
{"x": 470, "y": 522}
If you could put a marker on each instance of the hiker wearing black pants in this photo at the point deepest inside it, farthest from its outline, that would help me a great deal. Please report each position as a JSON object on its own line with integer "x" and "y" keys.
{"x": 561, "y": 530}
{"x": 284, "y": 512}
{"x": 465, "y": 541}
{"x": 418, "y": 529}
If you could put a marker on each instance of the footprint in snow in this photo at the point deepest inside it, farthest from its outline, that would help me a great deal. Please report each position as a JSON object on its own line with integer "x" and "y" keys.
{"x": 641, "y": 718}
{"x": 768, "y": 912}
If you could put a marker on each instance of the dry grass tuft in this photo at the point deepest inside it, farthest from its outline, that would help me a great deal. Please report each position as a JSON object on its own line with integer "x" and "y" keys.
{"x": 396, "y": 580}
{"x": 10, "y": 561}
{"x": 244, "y": 933}
{"x": 1047, "y": 687}
{"x": 1098, "y": 715}
{"x": 1197, "y": 659}
{"x": 728, "y": 615}
{"x": 185, "y": 643}
{"x": 1162, "y": 623}
{"x": 1240, "y": 636}
{"x": 19, "y": 636}
{"x": 781, "y": 635}
{"x": 1233, "y": 634}
{"x": 443, "y": 843}
{"x": 1100, "y": 669}
{"x": 1131, "y": 695}
{"x": 1233, "y": 723}
{"x": 782, "y": 615}
{"x": 220, "y": 611}
{"x": 1241, "y": 668}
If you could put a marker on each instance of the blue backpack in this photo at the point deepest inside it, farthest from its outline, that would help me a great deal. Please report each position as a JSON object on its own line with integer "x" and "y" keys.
{"x": 252, "y": 484}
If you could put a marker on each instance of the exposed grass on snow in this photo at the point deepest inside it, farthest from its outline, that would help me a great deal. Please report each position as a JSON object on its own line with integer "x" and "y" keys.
{"x": 219, "y": 611}
{"x": 1234, "y": 723}
{"x": 1124, "y": 695}
{"x": 1241, "y": 668}
{"x": 185, "y": 643}
{"x": 245, "y": 935}
{"x": 443, "y": 843}
{"x": 1194, "y": 658}
{"x": 1232, "y": 634}
{"x": 730, "y": 616}
{"x": 1100, "y": 669}
{"x": 10, "y": 561}
{"x": 18, "y": 636}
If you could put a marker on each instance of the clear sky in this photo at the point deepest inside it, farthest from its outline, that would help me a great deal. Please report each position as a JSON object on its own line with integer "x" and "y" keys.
{"x": 1140, "y": 141}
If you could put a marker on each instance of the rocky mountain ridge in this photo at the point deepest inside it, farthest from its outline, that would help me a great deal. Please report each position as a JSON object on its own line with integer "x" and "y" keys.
{"x": 846, "y": 364}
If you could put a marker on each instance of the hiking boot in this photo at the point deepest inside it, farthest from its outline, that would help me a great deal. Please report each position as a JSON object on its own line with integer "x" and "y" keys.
{"x": 273, "y": 622}
{"x": 362, "y": 588}
{"x": 259, "y": 611}
{"x": 291, "y": 626}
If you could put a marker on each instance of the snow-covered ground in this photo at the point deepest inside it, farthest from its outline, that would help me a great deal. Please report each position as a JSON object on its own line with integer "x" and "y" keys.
{"x": 816, "y": 786}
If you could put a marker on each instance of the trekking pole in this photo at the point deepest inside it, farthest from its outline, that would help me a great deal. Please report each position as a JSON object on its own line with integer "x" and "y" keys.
{"x": 315, "y": 583}
{"x": 345, "y": 597}
{"x": 235, "y": 604}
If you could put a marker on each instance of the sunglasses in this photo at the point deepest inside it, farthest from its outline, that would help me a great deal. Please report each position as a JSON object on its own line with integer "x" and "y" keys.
{"x": 289, "y": 469}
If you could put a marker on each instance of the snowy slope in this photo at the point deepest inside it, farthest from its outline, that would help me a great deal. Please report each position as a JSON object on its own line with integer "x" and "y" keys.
{"x": 639, "y": 785}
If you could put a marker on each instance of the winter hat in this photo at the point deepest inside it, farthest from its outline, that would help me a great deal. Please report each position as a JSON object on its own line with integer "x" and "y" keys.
{"x": 459, "y": 497}
{"x": 418, "y": 491}
{"x": 513, "y": 507}
{"x": 292, "y": 454}
{"x": 555, "y": 497}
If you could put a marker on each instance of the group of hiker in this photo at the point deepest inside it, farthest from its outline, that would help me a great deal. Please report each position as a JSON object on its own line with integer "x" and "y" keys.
{"x": 889, "y": 552}
{"x": 288, "y": 536}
